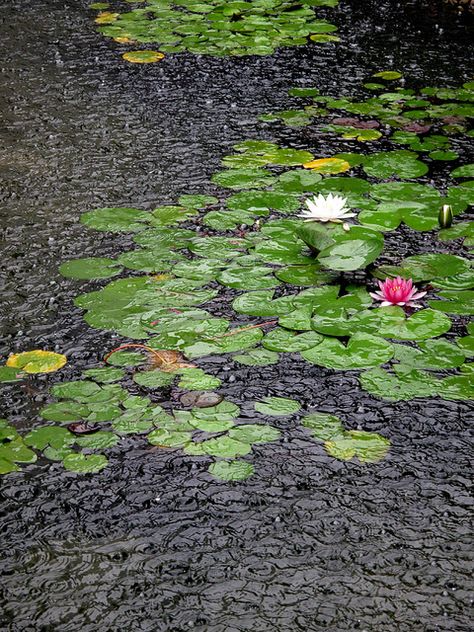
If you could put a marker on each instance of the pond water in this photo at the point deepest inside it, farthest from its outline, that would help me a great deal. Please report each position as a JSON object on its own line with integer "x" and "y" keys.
{"x": 153, "y": 542}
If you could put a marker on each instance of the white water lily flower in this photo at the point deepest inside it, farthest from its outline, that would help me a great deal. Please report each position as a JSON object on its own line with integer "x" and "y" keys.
{"x": 326, "y": 209}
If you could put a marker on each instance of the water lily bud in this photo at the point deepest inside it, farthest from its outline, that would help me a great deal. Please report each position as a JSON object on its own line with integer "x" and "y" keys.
{"x": 346, "y": 227}
{"x": 445, "y": 217}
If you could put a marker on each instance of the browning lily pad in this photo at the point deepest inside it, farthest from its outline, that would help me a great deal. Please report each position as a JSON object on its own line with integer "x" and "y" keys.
{"x": 37, "y": 361}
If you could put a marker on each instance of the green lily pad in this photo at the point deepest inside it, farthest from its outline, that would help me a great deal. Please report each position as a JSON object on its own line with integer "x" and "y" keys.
{"x": 126, "y": 358}
{"x": 197, "y": 201}
{"x": 10, "y": 374}
{"x": 457, "y": 387}
{"x": 37, "y": 361}
{"x": 394, "y": 388}
{"x": 197, "y": 380}
{"x": 391, "y": 322}
{"x": 225, "y": 447}
{"x": 85, "y": 464}
{"x": 154, "y": 378}
{"x": 243, "y": 178}
{"x": 388, "y": 75}
{"x": 362, "y": 351}
{"x": 368, "y": 447}
{"x": 231, "y": 471}
{"x": 98, "y": 440}
{"x": 433, "y": 354}
{"x": 324, "y": 426}
{"x": 466, "y": 171}
{"x": 401, "y": 164}
{"x": 90, "y": 268}
{"x": 426, "y": 267}
{"x": 283, "y": 340}
{"x": 254, "y": 433}
{"x": 455, "y": 302}
{"x": 105, "y": 375}
{"x": 53, "y": 436}
{"x": 169, "y": 439}
{"x": 116, "y": 220}
{"x": 277, "y": 406}
{"x": 257, "y": 357}
{"x": 255, "y": 278}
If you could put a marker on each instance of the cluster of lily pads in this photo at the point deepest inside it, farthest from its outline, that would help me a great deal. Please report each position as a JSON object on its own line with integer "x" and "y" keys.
{"x": 292, "y": 286}
{"x": 215, "y": 27}
{"x": 97, "y": 414}
{"x": 424, "y": 120}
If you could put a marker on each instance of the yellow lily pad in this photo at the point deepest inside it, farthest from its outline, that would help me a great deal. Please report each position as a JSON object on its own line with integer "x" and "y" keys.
{"x": 122, "y": 40}
{"x": 106, "y": 17}
{"x": 143, "y": 56}
{"x": 37, "y": 361}
{"x": 328, "y": 165}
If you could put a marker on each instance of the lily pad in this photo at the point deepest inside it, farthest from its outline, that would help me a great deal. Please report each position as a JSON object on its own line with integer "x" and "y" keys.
{"x": 368, "y": 447}
{"x": 53, "y": 436}
{"x": 401, "y": 164}
{"x": 90, "y": 268}
{"x": 116, "y": 220}
{"x": 98, "y": 440}
{"x": 254, "y": 433}
{"x": 85, "y": 464}
{"x": 362, "y": 351}
{"x": 231, "y": 471}
{"x": 257, "y": 357}
{"x": 37, "y": 361}
{"x": 277, "y": 406}
{"x": 143, "y": 56}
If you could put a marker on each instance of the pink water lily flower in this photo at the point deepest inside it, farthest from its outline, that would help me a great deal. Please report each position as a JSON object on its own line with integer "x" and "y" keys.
{"x": 397, "y": 292}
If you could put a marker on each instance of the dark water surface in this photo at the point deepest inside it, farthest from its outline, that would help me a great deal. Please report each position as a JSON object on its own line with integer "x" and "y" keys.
{"x": 153, "y": 543}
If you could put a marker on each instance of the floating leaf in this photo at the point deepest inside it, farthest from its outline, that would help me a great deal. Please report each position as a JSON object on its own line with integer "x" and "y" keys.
{"x": 281, "y": 339}
{"x": 368, "y": 447}
{"x": 169, "y": 439}
{"x": 90, "y": 268}
{"x": 98, "y": 440}
{"x": 85, "y": 464}
{"x": 143, "y": 56}
{"x": 257, "y": 357}
{"x": 154, "y": 379}
{"x": 362, "y": 351}
{"x": 426, "y": 267}
{"x": 277, "y": 406}
{"x": 401, "y": 164}
{"x": 391, "y": 322}
{"x": 351, "y": 250}
{"x": 15, "y": 451}
{"x": 388, "y": 75}
{"x": 466, "y": 171}
{"x": 126, "y": 358}
{"x": 324, "y": 426}
{"x": 385, "y": 385}
{"x": 231, "y": 471}
{"x": 328, "y": 165}
{"x": 105, "y": 375}
{"x": 433, "y": 354}
{"x": 116, "y": 220}
{"x": 254, "y": 433}
{"x": 53, "y": 436}
{"x": 197, "y": 380}
{"x": 9, "y": 374}
{"x": 37, "y": 361}
{"x": 225, "y": 447}
{"x": 455, "y": 302}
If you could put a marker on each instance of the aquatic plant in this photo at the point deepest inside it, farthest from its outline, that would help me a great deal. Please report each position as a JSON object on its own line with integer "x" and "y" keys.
{"x": 294, "y": 286}
{"x": 217, "y": 27}
{"x": 331, "y": 208}
{"x": 397, "y": 291}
